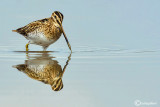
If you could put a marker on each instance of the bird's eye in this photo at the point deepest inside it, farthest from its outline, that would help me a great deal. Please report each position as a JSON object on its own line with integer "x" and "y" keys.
{"x": 55, "y": 17}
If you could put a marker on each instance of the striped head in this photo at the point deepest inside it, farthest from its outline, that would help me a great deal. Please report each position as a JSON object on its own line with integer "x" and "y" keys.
{"x": 57, "y": 17}
{"x": 57, "y": 84}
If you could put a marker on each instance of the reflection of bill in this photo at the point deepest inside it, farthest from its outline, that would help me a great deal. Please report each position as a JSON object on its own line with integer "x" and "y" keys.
{"x": 44, "y": 69}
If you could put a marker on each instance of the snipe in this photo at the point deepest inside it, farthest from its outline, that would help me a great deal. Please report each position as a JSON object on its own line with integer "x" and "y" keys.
{"x": 44, "y": 32}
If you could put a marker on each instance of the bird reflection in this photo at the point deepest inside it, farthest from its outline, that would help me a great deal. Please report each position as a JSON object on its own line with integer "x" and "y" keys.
{"x": 44, "y": 69}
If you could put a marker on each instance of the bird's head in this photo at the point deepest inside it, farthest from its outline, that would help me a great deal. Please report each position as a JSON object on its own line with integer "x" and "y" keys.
{"x": 57, "y": 84}
{"x": 57, "y": 17}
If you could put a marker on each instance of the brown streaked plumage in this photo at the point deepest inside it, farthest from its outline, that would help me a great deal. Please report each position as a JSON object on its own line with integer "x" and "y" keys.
{"x": 44, "y": 69}
{"x": 44, "y": 32}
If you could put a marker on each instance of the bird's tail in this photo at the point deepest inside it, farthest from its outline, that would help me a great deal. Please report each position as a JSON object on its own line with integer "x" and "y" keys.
{"x": 14, "y": 30}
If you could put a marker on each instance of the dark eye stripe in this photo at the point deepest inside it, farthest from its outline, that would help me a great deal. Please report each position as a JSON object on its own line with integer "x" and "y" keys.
{"x": 58, "y": 85}
{"x": 58, "y": 22}
{"x": 61, "y": 86}
{"x": 59, "y": 15}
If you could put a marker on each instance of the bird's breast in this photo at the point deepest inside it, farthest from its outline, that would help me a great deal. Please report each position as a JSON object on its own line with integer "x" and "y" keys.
{"x": 39, "y": 38}
{"x": 54, "y": 33}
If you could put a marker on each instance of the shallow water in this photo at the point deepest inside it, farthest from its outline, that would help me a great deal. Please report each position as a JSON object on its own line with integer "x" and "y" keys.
{"x": 94, "y": 78}
{"x": 115, "y": 59}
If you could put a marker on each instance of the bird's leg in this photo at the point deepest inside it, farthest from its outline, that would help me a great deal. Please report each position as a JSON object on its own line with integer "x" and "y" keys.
{"x": 27, "y": 46}
{"x": 44, "y": 48}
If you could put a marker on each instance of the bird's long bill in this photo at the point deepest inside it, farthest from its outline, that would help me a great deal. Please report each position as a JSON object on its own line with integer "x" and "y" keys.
{"x": 66, "y": 38}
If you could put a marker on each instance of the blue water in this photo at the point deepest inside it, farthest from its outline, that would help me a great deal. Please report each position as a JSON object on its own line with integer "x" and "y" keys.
{"x": 115, "y": 59}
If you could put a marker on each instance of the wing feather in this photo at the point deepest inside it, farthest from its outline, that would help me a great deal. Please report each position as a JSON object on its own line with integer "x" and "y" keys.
{"x": 31, "y": 27}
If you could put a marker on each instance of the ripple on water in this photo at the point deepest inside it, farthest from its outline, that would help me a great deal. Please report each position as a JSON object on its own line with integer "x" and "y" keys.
{"x": 78, "y": 52}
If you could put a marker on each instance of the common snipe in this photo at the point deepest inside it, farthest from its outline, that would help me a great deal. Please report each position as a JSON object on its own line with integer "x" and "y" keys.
{"x": 43, "y": 68}
{"x": 44, "y": 32}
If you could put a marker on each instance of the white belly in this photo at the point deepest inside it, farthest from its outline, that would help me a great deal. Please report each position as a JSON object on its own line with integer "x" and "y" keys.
{"x": 39, "y": 38}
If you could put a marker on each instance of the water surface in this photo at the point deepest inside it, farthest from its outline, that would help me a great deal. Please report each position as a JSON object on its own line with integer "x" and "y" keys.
{"x": 99, "y": 78}
{"x": 115, "y": 59}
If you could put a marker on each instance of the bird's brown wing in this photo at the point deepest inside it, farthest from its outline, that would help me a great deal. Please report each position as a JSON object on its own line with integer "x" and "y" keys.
{"x": 31, "y": 27}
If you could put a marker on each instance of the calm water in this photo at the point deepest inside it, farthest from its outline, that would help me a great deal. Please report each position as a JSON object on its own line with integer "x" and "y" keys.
{"x": 115, "y": 59}
{"x": 90, "y": 79}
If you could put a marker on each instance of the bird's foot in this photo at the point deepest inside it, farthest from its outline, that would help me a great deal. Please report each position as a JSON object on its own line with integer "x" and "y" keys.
{"x": 27, "y": 46}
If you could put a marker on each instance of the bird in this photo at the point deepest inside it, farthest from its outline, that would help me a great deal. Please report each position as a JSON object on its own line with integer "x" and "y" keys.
{"x": 43, "y": 68}
{"x": 44, "y": 32}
